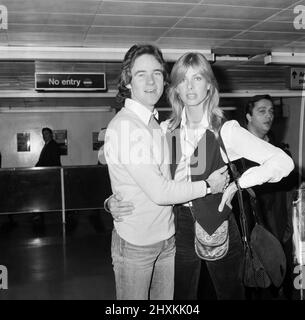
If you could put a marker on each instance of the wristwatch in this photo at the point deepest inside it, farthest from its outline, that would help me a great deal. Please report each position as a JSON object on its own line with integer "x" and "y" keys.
{"x": 208, "y": 188}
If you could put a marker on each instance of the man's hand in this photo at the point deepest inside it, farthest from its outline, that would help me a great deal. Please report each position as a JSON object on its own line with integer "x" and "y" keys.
{"x": 119, "y": 208}
{"x": 219, "y": 180}
{"x": 228, "y": 196}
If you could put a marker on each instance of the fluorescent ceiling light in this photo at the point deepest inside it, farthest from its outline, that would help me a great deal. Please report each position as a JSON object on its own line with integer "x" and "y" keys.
{"x": 232, "y": 58}
{"x": 68, "y": 94}
{"x": 54, "y": 109}
{"x": 174, "y": 54}
{"x": 285, "y": 58}
{"x": 62, "y": 53}
{"x": 83, "y": 54}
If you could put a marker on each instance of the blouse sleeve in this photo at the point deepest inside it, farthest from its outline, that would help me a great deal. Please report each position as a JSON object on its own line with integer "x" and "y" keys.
{"x": 273, "y": 163}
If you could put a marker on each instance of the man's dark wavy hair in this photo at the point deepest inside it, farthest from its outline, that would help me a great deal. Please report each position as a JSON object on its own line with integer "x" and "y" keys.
{"x": 47, "y": 129}
{"x": 132, "y": 54}
{"x": 251, "y": 102}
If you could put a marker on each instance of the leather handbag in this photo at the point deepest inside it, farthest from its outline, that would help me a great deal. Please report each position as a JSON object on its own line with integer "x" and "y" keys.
{"x": 264, "y": 257}
{"x": 255, "y": 273}
{"x": 265, "y": 260}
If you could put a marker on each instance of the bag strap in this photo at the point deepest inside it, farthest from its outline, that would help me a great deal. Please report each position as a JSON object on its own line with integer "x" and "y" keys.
{"x": 235, "y": 176}
{"x": 252, "y": 196}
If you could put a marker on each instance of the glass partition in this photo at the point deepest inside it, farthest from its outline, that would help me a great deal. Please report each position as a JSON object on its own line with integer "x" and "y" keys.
{"x": 43, "y": 189}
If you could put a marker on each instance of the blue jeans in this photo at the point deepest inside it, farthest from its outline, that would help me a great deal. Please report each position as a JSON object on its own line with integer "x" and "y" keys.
{"x": 226, "y": 273}
{"x": 143, "y": 272}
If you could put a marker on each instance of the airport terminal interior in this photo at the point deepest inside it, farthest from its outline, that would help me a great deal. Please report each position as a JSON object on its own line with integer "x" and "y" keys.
{"x": 60, "y": 62}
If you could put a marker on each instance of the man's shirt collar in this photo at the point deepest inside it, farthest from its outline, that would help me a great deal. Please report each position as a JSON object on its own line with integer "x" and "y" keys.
{"x": 141, "y": 111}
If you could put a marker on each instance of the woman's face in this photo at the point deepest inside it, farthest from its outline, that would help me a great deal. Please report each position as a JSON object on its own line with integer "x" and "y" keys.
{"x": 193, "y": 88}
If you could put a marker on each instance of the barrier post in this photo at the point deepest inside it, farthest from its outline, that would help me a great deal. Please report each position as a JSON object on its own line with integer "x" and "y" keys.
{"x": 63, "y": 208}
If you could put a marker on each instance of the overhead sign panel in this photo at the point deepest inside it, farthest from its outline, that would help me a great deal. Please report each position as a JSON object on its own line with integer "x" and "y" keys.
{"x": 70, "y": 81}
{"x": 297, "y": 78}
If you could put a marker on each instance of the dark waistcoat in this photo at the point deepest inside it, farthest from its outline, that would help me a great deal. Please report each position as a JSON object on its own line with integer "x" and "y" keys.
{"x": 205, "y": 159}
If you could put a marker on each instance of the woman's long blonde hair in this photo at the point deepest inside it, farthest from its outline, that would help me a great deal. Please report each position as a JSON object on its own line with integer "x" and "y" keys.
{"x": 195, "y": 60}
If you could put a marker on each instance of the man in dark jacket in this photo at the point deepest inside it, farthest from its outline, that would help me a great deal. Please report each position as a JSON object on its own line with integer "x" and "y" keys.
{"x": 274, "y": 200}
{"x": 50, "y": 155}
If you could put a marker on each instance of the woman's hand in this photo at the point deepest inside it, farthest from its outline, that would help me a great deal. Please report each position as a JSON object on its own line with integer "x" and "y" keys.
{"x": 219, "y": 180}
{"x": 119, "y": 208}
{"x": 228, "y": 196}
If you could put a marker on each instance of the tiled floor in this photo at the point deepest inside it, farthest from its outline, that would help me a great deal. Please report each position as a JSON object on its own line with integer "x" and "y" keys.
{"x": 53, "y": 263}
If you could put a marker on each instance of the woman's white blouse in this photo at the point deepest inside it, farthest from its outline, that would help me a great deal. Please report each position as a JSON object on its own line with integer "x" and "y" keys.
{"x": 272, "y": 163}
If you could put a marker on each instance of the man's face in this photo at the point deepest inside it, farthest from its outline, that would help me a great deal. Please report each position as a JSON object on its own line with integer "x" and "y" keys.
{"x": 262, "y": 116}
{"x": 47, "y": 136}
{"x": 147, "y": 83}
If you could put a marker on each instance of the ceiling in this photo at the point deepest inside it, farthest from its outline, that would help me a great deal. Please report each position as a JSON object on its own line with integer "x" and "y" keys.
{"x": 237, "y": 27}
{"x": 234, "y": 28}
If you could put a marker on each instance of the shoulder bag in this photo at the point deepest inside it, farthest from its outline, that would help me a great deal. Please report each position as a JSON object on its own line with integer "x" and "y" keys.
{"x": 265, "y": 260}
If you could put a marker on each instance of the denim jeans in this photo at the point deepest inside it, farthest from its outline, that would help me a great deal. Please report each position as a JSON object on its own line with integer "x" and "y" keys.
{"x": 226, "y": 273}
{"x": 143, "y": 272}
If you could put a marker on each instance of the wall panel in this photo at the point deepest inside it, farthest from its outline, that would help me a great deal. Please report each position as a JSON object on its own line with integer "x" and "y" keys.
{"x": 79, "y": 126}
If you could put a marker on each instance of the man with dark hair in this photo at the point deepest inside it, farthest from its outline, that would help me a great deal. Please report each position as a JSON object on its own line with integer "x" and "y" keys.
{"x": 260, "y": 115}
{"x": 50, "y": 154}
{"x": 274, "y": 201}
{"x": 137, "y": 154}
{"x": 126, "y": 75}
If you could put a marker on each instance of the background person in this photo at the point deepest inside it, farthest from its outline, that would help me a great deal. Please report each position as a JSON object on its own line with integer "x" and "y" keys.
{"x": 50, "y": 153}
{"x": 274, "y": 199}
